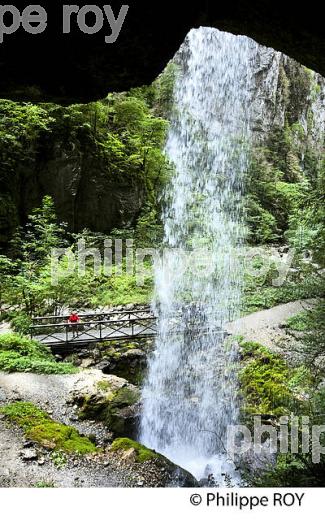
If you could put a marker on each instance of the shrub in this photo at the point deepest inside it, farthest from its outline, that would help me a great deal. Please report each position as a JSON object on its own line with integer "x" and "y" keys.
{"x": 21, "y": 354}
{"x": 21, "y": 323}
{"x": 269, "y": 386}
{"x": 264, "y": 381}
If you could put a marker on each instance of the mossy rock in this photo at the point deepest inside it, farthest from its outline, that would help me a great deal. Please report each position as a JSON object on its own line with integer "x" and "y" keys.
{"x": 142, "y": 454}
{"x": 62, "y": 437}
{"x": 39, "y": 427}
{"x": 109, "y": 399}
{"x": 171, "y": 475}
{"x": 118, "y": 410}
{"x": 129, "y": 362}
{"x": 126, "y": 396}
{"x": 268, "y": 385}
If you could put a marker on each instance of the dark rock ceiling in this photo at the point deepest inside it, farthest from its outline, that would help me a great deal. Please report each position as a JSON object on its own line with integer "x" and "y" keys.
{"x": 79, "y": 68}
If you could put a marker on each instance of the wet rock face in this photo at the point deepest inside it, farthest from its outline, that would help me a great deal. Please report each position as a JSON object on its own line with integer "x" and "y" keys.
{"x": 125, "y": 360}
{"x": 79, "y": 67}
{"x": 129, "y": 365}
{"x": 109, "y": 399}
{"x": 285, "y": 92}
{"x": 86, "y": 192}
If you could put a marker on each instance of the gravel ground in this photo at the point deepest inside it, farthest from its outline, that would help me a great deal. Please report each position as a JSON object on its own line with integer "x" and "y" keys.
{"x": 266, "y": 327}
{"x": 105, "y": 469}
{"x": 76, "y": 472}
{"x": 51, "y": 393}
{"x": 258, "y": 324}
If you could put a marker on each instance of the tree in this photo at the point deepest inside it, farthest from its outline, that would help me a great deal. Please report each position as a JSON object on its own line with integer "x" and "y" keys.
{"x": 42, "y": 233}
{"x": 26, "y": 285}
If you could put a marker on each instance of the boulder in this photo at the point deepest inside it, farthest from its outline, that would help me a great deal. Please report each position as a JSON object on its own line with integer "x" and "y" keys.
{"x": 109, "y": 399}
{"x": 129, "y": 365}
{"x": 87, "y": 362}
{"x": 155, "y": 469}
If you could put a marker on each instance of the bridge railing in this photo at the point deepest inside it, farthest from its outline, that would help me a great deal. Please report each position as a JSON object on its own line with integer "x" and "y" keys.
{"x": 94, "y": 331}
{"x": 116, "y": 325}
{"x": 98, "y": 316}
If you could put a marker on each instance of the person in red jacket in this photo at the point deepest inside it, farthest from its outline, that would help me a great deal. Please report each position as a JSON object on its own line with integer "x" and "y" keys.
{"x": 74, "y": 320}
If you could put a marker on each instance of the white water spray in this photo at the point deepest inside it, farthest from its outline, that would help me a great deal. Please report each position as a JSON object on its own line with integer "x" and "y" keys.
{"x": 189, "y": 396}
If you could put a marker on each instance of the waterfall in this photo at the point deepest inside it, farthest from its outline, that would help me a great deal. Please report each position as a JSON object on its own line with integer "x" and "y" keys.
{"x": 189, "y": 397}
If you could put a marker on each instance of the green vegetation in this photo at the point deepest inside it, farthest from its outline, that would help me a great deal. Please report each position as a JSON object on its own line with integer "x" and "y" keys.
{"x": 265, "y": 288}
{"x": 39, "y": 427}
{"x": 123, "y": 136}
{"x": 20, "y": 125}
{"x": 267, "y": 297}
{"x": 45, "y": 484}
{"x": 290, "y": 471}
{"x": 120, "y": 138}
{"x": 142, "y": 454}
{"x": 58, "y": 458}
{"x": 299, "y": 322}
{"x": 21, "y": 354}
{"x": 295, "y": 469}
{"x": 123, "y": 289}
{"x": 126, "y": 133}
{"x": 28, "y": 277}
{"x": 285, "y": 181}
{"x": 118, "y": 142}
{"x": 311, "y": 325}
{"x": 269, "y": 386}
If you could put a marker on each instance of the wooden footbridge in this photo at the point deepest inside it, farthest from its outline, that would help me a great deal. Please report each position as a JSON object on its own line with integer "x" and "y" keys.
{"x": 59, "y": 334}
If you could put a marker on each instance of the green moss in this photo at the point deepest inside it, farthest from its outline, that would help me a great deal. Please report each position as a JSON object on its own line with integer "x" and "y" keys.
{"x": 142, "y": 453}
{"x": 38, "y": 426}
{"x": 299, "y": 322}
{"x": 116, "y": 355}
{"x": 269, "y": 386}
{"x": 125, "y": 397}
{"x": 104, "y": 386}
{"x": 45, "y": 484}
{"x": 24, "y": 414}
{"x": 61, "y": 437}
{"x": 130, "y": 346}
{"x": 264, "y": 381}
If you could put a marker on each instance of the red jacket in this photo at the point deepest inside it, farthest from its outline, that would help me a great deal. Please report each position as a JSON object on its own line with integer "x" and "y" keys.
{"x": 74, "y": 318}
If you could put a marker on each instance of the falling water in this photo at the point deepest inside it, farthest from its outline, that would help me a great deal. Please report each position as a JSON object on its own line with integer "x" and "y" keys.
{"x": 189, "y": 396}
